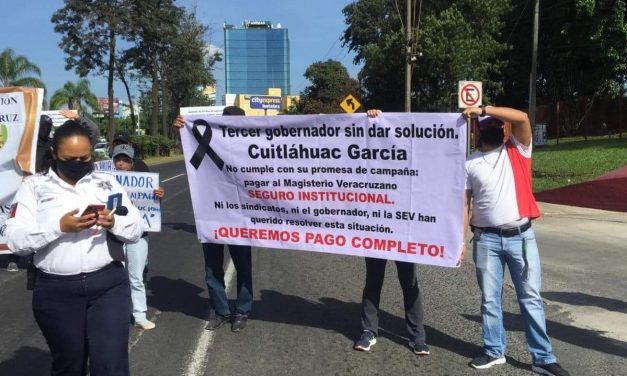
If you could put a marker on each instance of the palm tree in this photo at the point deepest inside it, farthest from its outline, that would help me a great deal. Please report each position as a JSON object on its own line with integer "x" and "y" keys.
{"x": 14, "y": 70}
{"x": 75, "y": 96}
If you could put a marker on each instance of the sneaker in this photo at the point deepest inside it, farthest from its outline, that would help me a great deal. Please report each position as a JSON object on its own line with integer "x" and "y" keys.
{"x": 419, "y": 348}
{"x": 239, "y": 323}
{"x": 486, "y": 361}
{"x": 217, "y": 321}
{"x": 365, "y": 341}
{"x": 551, "y": 369}
{"x": 145, "y": 324}
{"x": 12, "y": 267}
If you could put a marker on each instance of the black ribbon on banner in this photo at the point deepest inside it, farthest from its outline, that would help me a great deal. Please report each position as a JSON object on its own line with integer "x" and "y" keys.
{"x": 203, "y": 145}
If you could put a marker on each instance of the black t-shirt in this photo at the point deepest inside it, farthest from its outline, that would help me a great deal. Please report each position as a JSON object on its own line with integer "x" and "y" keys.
{"x": 140, "y": 166}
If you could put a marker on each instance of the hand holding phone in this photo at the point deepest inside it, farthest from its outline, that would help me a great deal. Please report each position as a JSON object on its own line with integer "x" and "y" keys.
{"x": 71, "y": 222}
{"x": 93, "y": 209}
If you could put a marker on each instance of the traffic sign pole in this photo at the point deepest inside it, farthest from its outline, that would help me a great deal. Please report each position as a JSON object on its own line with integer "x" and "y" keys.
{"x": 469, "y": 95}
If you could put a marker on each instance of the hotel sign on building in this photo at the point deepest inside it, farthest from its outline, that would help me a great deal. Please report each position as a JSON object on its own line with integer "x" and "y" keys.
{"x": 265, "y": 102}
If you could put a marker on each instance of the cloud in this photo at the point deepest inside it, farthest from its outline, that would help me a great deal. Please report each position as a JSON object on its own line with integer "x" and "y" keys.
{"x": 210, "y": 49}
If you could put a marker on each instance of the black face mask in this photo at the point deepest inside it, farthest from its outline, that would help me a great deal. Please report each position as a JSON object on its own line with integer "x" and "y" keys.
{"x": 491, "y": 136}
{"x": 74, "y": 169}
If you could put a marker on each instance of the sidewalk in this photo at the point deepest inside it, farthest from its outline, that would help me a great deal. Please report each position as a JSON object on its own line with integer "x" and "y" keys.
{"x": 557, "y": 210}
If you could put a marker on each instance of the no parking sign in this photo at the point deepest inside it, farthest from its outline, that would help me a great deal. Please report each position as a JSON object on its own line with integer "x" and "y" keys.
{"x": 469, "y": 94}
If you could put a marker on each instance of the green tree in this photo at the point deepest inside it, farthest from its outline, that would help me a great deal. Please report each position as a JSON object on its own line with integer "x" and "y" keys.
{"x": 15, "y": 70}
{"x": 581, "y": 51}
{"x": 152, "y": 31}
{"x": 460, "y": 42}
{"x": 374, "y": 33}
{"x": 90, "y": 30}
{"x": 188, "y": 64}
{"x": 454, "y": 41}
{"x": 75, "y": 96}
{"x": 122, "y": 69}
{"x": 330, "y": 84}
{"x": 589, "y": 41}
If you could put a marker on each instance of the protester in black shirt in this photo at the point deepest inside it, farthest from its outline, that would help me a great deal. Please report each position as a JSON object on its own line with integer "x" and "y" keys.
{"x": 123, "y": 139}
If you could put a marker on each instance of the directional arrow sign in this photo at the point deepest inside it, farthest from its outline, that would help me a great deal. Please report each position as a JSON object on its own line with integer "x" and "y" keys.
{"x": 350, "y": 104}
{"x": 469, "y": 94}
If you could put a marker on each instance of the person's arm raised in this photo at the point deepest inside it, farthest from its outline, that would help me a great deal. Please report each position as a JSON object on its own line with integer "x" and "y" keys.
{"x": 521, "y": 127}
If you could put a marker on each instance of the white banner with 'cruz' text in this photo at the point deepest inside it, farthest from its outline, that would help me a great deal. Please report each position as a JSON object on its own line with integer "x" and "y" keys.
{"x": 19, "y": 127}
{"x": 388, "y": 187}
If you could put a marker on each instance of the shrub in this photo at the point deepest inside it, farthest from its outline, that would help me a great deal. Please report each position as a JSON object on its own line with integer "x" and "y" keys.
{"x": 148, "y": 146}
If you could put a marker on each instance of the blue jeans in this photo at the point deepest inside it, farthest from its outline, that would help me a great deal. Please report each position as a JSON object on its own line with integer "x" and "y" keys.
{"x": 136, "y": 256}
{"x": 491, "y": 252}
{"x": 214, "y": 276}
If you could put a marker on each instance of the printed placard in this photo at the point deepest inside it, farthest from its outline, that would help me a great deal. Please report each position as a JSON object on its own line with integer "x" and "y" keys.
{"x": 139, "y": 187}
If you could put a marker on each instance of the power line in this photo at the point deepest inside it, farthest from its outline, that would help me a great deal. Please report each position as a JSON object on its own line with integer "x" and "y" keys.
{"x": 398, "y": 11}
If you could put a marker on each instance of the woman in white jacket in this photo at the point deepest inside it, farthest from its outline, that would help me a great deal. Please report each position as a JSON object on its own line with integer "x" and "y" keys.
{"x": 81, "y": 299}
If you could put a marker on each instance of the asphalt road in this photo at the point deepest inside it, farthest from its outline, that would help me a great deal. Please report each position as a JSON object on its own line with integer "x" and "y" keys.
{"x": 306, "y": 309}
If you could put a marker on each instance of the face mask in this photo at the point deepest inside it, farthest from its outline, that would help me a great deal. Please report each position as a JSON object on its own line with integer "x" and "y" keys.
{"x": 492, "y": 136}
{"x": 74, "y": 169}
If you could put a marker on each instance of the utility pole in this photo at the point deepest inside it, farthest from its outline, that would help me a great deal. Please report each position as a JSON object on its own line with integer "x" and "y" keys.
{"x": 534, "y": 63}
{"x": 408, "y": 57}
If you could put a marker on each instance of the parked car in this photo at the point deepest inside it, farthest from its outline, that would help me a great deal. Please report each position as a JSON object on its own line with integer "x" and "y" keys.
{"x": 101, "y": 149}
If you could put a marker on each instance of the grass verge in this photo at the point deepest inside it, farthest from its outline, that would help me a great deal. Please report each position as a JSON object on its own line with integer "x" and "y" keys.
{"x": 151, "y": 161}
{"x": 574, "y": 160}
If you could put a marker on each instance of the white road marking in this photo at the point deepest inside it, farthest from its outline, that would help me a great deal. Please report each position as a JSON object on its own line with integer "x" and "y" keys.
{"x": 197, "y": 363}
{"x": 172, "y": 178}
{"x": 606, "y": 323}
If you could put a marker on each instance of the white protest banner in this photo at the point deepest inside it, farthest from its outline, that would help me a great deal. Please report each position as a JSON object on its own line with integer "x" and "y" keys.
{"x": 388, "y": 187}
{"x": 202, "y": 110}
{"x": 57, "y": 118}
{"x": 19, "y": 127}
{"x": 140, "y": 186}
{"x": 104, "y": 165}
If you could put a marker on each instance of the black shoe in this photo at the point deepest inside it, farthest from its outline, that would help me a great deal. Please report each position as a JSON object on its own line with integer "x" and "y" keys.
{"x": 486, "y": 361}
{"x": 239, "y": 323}
{"x": 217, "y": 321}
{"x": 551, "y": 369}
{"x": 419, "y": 348}
{"x": 366, "y": 340}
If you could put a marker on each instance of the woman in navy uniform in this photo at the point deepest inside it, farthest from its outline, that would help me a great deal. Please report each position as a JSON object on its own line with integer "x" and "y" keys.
{"x": 81, "y": 299}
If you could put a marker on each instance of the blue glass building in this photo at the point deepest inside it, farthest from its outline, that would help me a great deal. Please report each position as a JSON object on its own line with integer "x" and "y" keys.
{"x": 256, "y": 57}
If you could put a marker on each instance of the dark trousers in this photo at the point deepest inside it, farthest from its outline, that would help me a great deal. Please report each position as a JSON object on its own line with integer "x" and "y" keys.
{"x": 214, "y": 275}
{"x": 375, "y": 273}
{"x": 85, "y": 316}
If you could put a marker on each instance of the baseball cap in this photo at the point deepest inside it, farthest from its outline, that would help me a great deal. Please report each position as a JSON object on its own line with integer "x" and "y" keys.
{"x": 490, "y": 121}
{"x": 123, "y": 149}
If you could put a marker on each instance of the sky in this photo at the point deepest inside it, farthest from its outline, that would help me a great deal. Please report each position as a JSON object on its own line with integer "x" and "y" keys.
{"x": 314, "y": 27}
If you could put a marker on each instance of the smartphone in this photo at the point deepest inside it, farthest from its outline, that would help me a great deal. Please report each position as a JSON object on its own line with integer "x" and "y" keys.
{"x": 93, "y": 209}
